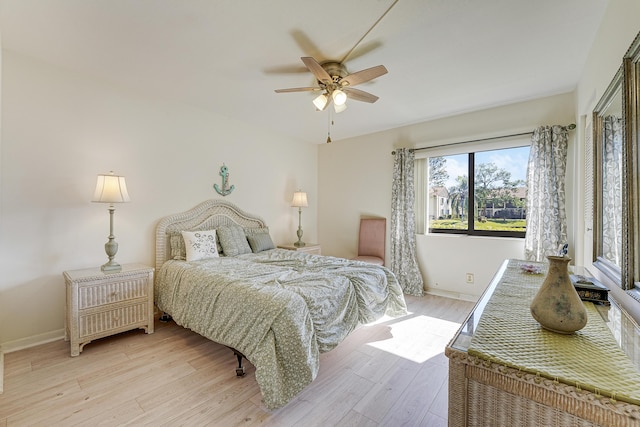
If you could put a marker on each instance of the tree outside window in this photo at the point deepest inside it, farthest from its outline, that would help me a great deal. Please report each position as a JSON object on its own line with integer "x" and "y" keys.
{"x": 498, "y": 188}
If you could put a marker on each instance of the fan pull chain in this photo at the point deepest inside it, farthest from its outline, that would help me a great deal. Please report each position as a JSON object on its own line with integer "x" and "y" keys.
{"x": 329, "y": 124}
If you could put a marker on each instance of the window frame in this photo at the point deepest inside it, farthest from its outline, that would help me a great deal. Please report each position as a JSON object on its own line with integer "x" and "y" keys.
{"x": 470, "y": 149}
{"x": 631, "y": 138}
{"x": 609, "y": 268}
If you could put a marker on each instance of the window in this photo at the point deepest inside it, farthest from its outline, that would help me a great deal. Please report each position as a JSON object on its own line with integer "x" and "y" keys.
{"x": 495, "y": 179}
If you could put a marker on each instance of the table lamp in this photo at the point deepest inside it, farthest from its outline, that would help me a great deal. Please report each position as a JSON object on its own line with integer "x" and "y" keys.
{"x": 299, "y": 201}
{"x": 111, "y": 189}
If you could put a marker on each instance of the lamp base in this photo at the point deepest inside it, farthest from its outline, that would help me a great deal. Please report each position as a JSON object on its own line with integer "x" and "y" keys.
{"x": 111, "y": 267}
{"x": 111, "y": 248}
{"x": 299, "y": 243}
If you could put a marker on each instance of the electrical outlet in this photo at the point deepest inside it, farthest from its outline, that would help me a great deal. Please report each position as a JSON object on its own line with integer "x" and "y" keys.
{"x": 469, "y": 277}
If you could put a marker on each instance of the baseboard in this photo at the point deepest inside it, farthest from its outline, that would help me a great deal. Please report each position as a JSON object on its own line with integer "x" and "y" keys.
{"x": 21, "y": 344}
{"x": 454, "y": 295}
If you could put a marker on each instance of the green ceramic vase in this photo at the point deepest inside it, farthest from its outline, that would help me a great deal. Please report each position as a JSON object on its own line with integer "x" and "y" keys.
{"x": 557, "y": 306}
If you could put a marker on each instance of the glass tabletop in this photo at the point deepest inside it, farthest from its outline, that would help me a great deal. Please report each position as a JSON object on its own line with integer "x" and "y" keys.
{"x": 611, "y": 314}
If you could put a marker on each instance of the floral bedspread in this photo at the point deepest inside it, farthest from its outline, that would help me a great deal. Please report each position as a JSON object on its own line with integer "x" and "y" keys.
{"x": 279, "y": 308}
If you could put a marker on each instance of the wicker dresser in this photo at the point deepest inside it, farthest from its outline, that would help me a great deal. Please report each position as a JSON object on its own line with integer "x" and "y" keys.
{"x": 102, "y": 304}
{"x": 520, "y": 384}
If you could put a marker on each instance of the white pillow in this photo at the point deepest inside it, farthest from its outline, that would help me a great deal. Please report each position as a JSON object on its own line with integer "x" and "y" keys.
{"x": 200, "y": 244}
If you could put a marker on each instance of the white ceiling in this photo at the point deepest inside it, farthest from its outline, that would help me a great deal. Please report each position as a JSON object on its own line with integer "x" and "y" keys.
{"x": 444, "y": 57}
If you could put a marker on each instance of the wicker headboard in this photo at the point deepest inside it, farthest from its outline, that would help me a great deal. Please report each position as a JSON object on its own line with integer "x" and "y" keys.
{"x": 206, "y": 216}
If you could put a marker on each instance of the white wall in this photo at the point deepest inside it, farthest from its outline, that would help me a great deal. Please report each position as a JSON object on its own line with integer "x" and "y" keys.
{"x": 61, "y": 129}
{"x": 355, "y": 176}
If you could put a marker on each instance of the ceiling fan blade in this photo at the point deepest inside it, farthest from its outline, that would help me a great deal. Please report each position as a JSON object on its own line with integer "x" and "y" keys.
{"x": 306, "y": 45}
{"x": 297, "y": 89}
{"x": 364, "y": 75}
{"x": 360, "y": 95}
{"x": 316, "y": 69}
{"x": 286, "y": 69}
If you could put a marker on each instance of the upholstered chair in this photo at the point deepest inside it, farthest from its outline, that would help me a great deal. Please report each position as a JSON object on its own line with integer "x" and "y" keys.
{"x": 371, "y": 241}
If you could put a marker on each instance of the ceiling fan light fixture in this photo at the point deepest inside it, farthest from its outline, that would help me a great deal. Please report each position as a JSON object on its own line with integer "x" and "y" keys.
{"x": 339, "y": 108}
{"x": 321, "y": 101}
{"x": 339, "y": 97}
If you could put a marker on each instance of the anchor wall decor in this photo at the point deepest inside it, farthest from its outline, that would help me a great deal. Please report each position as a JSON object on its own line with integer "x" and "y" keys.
{"x": 226, "y": 189}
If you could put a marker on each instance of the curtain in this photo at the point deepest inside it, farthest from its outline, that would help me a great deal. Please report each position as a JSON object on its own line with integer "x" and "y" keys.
{"x": 612, "y": 189}
{"x": 403, "y": 225}
{"x": 546, "y": 216}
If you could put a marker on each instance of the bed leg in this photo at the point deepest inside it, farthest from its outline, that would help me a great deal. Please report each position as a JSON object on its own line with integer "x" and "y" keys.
{"x": 165, "y": 318}
{"x": 240, "y": 368}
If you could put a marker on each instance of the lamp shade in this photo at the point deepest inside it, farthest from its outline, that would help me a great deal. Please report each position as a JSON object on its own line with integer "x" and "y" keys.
{"x": 111, "y": 189}
{"x": 299, "y": 200}
{"x": 320, "y": 102}
{"x": 339, "y": 108}
{"x": 339, "y": 97}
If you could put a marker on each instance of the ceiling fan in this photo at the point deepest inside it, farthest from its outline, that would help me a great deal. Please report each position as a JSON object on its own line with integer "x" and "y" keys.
{"x": 336, "y": 84}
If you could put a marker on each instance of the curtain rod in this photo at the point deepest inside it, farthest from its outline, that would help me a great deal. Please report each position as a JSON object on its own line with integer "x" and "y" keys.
{"x": 571, "y": 126}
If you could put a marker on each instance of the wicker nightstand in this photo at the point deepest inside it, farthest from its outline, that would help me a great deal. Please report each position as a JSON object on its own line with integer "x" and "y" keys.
{"x": 310, "y": 248}
{"x": 101, "y": 304}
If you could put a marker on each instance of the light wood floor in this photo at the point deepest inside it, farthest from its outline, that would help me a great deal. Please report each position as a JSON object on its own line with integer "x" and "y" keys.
{"x": 389, "y": 374}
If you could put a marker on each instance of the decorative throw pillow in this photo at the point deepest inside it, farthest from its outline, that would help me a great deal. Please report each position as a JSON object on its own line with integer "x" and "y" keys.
{"x": 249, "y": 231}
{"x": 200, "y": 244}
{"x": 260, "y": 242}
{"x": 233, "y": 240}
{"x": 178, "y": 250}
{"x": 219, "y": 246}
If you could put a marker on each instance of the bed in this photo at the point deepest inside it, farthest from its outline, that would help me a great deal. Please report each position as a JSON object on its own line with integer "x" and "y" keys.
{"x": 278, "y": 308}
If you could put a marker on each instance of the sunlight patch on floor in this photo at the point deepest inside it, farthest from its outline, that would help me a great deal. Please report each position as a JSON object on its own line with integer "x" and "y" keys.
{"x": 418, "y": 338}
